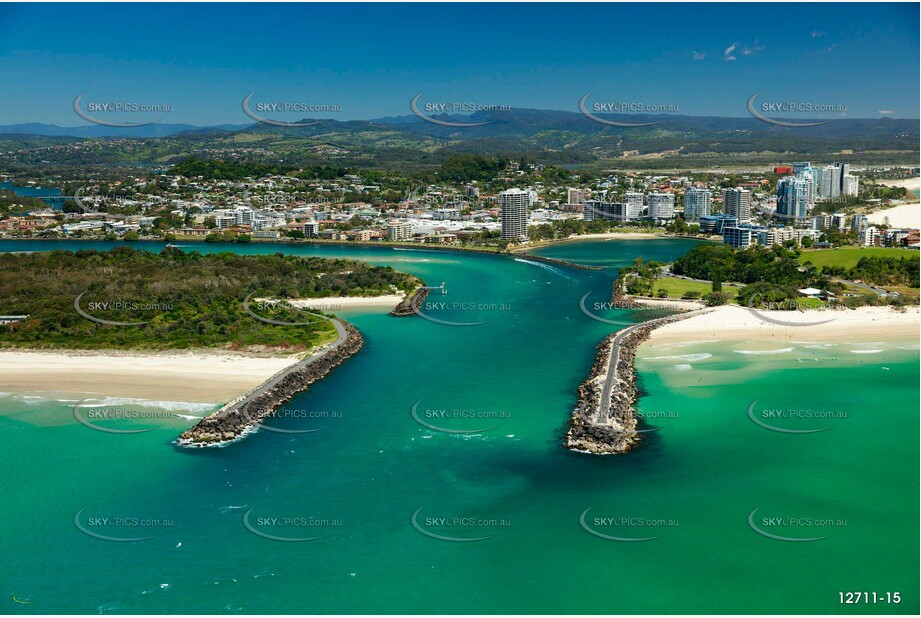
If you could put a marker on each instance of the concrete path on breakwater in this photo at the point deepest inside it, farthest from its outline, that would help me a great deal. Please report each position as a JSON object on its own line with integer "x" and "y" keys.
{"x": 611, "y": 379}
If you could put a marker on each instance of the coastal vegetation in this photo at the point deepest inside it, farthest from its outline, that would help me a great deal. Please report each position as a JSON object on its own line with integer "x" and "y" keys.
{"x": 176, "y": 300}
{"x": 651, "y": 279}
{"x": 772, "y": 277}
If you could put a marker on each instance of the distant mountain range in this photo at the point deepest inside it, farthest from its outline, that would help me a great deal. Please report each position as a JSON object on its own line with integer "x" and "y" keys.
{"x": 547, "y": 136}
{"x": 516, "y": 123}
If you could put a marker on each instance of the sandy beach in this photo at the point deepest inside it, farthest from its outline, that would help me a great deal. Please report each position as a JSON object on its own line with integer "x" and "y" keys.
{"x": 846, "y": 325}
{"x": 198, "y": 377}
{"x": 613, "y": 235}
{"x": 194, "y": 377}
{"x": 912, "y": 184}
{"x": 905, "y": 215}
{"x": 337, "y": 303}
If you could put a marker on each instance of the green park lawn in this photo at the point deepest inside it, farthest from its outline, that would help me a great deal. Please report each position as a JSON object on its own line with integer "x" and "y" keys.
{"x": 848, "y": 257}
{"x": 677, "y": 287}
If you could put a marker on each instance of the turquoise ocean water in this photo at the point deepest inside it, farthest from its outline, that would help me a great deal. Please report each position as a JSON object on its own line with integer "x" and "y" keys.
{"x": 355, "y": 485}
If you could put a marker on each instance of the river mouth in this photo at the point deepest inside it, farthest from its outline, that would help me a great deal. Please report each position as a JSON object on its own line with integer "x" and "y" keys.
{"x": 344, "y": 496}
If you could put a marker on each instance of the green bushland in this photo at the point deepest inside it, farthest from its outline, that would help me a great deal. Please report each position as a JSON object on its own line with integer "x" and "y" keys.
{"x": 188, "y": 300}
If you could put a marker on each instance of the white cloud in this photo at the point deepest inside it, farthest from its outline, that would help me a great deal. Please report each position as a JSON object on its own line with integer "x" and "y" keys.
{"x": 754, "y": 49}
{"x": 698, "y": 55}
{"x": 728, "y": 54}
{"x": 886, "y": 112}
{"x": 817, "y": 33}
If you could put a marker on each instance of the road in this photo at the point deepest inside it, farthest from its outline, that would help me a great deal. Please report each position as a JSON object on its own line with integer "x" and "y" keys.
{"x": 862, "y": 286}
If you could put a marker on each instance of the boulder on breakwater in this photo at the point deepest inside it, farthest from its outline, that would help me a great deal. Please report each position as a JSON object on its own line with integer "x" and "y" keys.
{"x": 548, "y": 260}
{"x": 239, "y": 416}
{"x": 410, "y": 304}
{"x": 617, "y": 433}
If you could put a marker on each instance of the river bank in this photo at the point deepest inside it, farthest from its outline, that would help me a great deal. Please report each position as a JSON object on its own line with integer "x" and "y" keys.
{"x": 398, "y": 246}
{"x": 331, "y": 304}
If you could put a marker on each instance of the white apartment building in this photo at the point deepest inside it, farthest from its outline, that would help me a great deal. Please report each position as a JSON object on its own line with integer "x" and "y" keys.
{"x": 399, "y": 230}
{"x": 634, "y": 201}
{"x": 696, "y": 204}
{"x": 850, "y": 185}
{"x": 532, "y": 197}
{"x": 661, "y": 206}
{"x": 446, "y": 214}
{"x": 224, "y": 221}
{"x": 869, "y": 237}
{"x": 514, "y": 213}
{"x": 778, "y": 236}
{"x": 311, "y": 229}
{"x": 243, "y": 215}
{"x": 828, "y": 181}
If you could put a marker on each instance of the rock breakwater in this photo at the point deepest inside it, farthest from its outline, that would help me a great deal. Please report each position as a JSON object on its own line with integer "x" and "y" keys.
{"x": 604, "y": 421}
{"x": 409, "y": 305}
{"x": 548, "y": 260}
{"x": 243, "y": 414}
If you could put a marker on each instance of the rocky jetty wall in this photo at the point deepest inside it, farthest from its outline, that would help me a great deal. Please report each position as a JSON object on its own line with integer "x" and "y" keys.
{"x": 591, "y": 431}
{"x": 408, "y": 305}
{"x": 241, "y": 415}
{"x": 619, "y": 299}
{"x": 547, "y": 260}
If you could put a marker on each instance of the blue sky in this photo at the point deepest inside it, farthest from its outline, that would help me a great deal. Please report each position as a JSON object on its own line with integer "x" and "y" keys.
{"x": 370, "y": 59}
